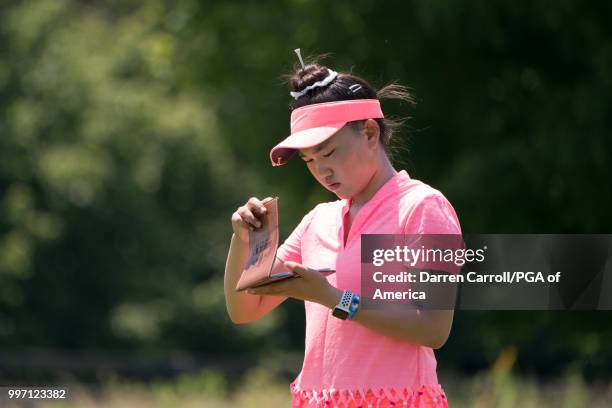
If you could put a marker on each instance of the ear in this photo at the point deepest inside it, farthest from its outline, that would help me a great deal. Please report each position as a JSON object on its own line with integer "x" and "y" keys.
{"x": 372, "y": 132}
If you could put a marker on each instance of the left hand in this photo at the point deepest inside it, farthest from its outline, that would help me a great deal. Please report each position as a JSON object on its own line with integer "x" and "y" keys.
{"x": 308, "y": 285}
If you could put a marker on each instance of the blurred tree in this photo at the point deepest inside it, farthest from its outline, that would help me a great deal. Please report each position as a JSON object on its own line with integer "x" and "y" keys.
{"x": 130, "y": 131}
{"x": 116, "y": 184}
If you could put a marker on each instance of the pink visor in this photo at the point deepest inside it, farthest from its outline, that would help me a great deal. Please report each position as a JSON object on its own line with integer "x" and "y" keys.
{"x": 314, "y": 124}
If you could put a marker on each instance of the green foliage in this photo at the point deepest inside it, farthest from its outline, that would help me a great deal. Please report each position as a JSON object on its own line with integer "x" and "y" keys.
{"x": 115, "y": 201}
{"x": 130, "y": 131}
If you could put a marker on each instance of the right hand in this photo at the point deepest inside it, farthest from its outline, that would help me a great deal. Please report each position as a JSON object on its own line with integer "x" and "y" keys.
{"x": 247, "y": 217}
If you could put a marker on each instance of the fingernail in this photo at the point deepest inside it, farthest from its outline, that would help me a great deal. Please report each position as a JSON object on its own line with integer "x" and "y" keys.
{"x": 258, "y": 224}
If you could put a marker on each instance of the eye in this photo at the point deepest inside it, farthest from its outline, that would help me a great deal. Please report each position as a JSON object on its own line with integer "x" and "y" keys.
{"x": 330, "y": 153}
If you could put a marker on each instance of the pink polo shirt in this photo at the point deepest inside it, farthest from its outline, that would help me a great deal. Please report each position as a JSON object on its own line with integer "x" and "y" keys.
{"x": 345, "y": 363}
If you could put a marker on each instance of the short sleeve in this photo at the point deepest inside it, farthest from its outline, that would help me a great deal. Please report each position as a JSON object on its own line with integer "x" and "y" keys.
{"x": 291, "y": 249}
{"x": 434, "y": 220}
{"x": 432, "y": 215}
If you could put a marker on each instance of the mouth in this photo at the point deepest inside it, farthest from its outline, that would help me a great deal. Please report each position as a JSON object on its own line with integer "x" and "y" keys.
{"x": 333, "y": 186}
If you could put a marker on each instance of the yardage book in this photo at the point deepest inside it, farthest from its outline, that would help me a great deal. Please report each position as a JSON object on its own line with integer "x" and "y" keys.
{"x": 263, "y": 243}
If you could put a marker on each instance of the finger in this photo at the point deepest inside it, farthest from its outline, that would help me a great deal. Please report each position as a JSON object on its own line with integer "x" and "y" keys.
{"x": 299, "y": 269}
{"x": 238, "y": 223}
{"x": 248, "y": 217}
{"x": 256, "y": 206}
{"x": 246, "y": 225}
{"x": 265, "y": 200}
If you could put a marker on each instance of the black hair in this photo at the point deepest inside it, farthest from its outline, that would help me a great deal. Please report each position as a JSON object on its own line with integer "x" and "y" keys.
{"x": 340, "y": 89}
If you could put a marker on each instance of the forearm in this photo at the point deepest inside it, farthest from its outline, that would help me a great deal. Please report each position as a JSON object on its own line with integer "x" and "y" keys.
{"x": 241, "y": 306}
{"x": 425, "y": 327}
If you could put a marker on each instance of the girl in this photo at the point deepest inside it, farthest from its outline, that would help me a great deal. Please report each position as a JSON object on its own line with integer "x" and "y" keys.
{"x": 354, "y": 356}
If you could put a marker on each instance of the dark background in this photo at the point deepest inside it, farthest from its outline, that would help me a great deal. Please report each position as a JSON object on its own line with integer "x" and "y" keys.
{"x": 130, "y": 131}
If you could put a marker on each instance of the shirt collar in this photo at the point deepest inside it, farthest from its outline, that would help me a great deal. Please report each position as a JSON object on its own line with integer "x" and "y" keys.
{"x": 389, "y": 186}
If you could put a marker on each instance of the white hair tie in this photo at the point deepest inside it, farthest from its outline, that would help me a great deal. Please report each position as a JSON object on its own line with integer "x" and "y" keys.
{"x": 330, "y": 77}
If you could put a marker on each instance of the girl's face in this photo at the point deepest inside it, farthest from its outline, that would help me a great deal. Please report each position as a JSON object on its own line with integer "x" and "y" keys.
{"x": 346, "y": 162}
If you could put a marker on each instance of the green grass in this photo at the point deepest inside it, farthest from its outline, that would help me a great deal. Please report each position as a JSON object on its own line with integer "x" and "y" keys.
{"x": 259, "y": 389}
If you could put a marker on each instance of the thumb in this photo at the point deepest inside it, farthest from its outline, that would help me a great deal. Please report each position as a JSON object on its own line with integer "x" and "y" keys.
{"x": 297, "y": 268}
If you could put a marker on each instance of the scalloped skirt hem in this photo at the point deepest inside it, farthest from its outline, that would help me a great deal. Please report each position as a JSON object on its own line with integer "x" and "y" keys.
{"x": 409, "y": 397}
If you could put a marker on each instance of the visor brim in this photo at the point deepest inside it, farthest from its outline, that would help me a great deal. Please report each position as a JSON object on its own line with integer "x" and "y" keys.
{"x": 304, "y": 139}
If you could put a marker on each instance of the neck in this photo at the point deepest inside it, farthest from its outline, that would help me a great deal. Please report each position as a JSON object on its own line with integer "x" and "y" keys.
{"x": 383, "y": 173}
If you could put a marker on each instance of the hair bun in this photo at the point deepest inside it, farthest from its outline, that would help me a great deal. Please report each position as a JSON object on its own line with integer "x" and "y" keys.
{"x": 307, "y": 76}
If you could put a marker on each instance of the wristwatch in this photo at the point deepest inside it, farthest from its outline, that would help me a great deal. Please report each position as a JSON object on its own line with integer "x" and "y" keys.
{"x": 341, "y": 310}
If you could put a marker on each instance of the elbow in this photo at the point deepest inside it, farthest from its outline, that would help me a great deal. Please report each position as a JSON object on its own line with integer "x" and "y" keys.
{"x": 241, "y": 318}
{"x": 439, "y": 332}
{"x": 238, "y": 319}
{"x": 238, "y": 315}
{"x": 438, "y": 341}
{"x": 437, "y": 344}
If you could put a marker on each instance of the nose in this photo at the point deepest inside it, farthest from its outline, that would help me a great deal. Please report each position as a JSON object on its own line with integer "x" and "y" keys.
{"x": 323, "y": 170}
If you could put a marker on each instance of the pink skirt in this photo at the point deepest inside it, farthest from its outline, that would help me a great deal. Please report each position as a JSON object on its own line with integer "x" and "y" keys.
{"x": 425, "y": 396}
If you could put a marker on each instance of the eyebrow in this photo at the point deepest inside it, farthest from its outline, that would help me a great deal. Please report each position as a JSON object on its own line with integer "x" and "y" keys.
{"x": 317, "y": 148}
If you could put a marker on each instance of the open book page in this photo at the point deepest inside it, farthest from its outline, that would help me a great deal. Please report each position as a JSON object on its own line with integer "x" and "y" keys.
{"x": 263, "y": 243}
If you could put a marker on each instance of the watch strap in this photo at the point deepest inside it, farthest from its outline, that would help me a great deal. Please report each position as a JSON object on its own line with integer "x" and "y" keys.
{"x": 343, "y": 308}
